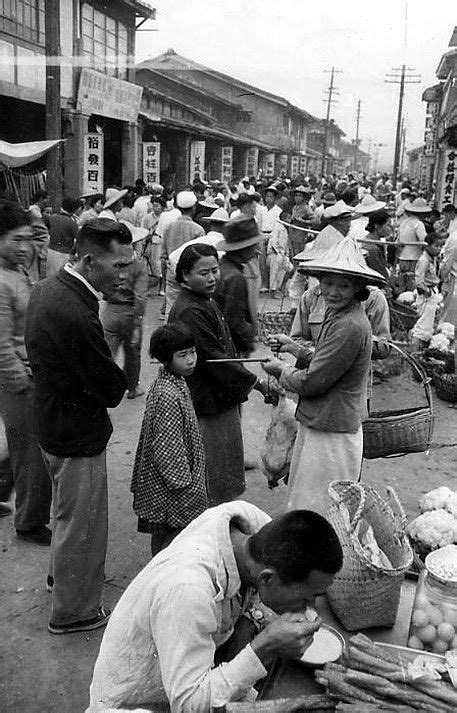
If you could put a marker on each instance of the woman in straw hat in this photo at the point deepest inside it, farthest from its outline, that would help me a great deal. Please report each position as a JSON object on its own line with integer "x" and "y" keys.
{"x": 332, "y": 382}
{"x": 411, "y": 230}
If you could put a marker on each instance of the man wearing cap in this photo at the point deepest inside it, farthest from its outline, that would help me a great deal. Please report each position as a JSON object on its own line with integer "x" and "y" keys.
{"x": 268, "y": 215}
{"x": 338, "y": 219}
{"x": 113, "y": 203}
{"x": 240, "y": 245}
{"x": 367, "y": 206}
{"x": 412, "y": 230}
{"x": 76, "y": 381}
{"x": 183, "y": 228}
{"x": 302, "y": 216}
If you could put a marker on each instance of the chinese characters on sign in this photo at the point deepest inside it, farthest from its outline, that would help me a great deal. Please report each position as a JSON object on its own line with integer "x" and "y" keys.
{"x": 303, "y": 165}
{"x": 107, "y": 96}
{"x": 197, "y": 160}
{"x": 283, "y": 164}
{"x": 93, "y": 163}
{"x": 151, "y": 162}
{"x": 269, "y": 164}
{"x": 252, "y": 161}
{"x": 227, "y": 163}
{"x": 449, "y": 175}
{"x": 294, "y": 166}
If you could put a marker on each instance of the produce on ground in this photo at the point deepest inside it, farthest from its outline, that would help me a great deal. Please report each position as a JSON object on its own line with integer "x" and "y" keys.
{"x": 374, "y": 676}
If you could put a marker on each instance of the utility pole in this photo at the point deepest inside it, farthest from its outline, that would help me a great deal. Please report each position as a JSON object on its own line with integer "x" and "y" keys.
{"x": 405, "y": 77}
{"x": 402, "y": 143}
{"x": 377, "y": 146}
{"x": 356, "y": 142}
{"x": 53, "y": 117}
{"x": 330, "y": 100}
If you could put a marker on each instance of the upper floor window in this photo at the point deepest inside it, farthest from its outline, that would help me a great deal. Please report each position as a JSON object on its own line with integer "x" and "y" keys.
{"x": 105, "y": 41}
{"x": 23, "y": 18}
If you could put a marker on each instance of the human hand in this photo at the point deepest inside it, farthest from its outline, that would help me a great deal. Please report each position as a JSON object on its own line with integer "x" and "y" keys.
{"x": 289, "y": 635}
{"x": 273, "y": 367}
{"x": 279, "y": 342}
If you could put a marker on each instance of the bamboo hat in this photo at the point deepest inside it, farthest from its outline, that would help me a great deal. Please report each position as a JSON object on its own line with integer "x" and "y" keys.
{"x": 419, "y": 205}
{"x": 368, "y": 205}
{"x": 344, "y": 258}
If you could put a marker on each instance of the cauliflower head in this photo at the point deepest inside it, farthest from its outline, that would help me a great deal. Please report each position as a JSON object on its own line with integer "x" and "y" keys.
{"x": 434, "y": 529}
{"x": 435, "y": 499}
{"x": 447, "y": 329}
{"x": 439, "y": 341}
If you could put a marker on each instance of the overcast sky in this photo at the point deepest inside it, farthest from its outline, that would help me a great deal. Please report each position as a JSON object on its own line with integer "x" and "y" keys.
{"x": 285, "y": 46}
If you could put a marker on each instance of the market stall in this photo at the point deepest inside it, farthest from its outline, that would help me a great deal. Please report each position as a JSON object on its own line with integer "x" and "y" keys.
{"x": 19, "y": 173}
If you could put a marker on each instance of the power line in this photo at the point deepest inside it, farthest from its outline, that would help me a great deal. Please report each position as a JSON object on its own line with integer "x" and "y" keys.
{"x": 330, "y": 100}
{"x": 405, "y": 77}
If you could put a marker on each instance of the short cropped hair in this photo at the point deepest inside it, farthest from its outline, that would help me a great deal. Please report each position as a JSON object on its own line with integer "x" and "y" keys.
{"x": 92, "y": 200}
{"x": 71, "y": 205}
{"x": 12, "y": 216}
{"x": 190, "y": 256}
{"x": 245, "y": 199}
{"x": 295, "y": 544}
{"x": 379, "y": 217}
{"x": 100, "y": 233}
{"x": 160, "y": 200}
{"x": 168, "y": 340}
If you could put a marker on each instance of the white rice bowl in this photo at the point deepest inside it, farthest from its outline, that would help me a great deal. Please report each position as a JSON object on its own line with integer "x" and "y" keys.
{"x": 327, "y": 647}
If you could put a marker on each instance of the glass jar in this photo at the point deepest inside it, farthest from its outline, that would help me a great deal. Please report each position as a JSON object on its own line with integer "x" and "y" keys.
{"x": 433, "y": 624}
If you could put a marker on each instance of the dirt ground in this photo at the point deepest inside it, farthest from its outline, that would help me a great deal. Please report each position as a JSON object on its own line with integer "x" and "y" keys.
{"x": 44, "y": 673}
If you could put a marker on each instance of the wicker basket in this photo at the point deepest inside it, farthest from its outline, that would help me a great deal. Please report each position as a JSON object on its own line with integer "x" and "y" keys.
{"x": 364, "y": 594}
{"x": 402, "y": 317}
{"x": 445, "y": 385}
{"x": 274, "y": 323}
{"x": 388, "y": 433}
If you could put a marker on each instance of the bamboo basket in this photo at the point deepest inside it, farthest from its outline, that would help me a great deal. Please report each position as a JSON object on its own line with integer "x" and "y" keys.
{"x": 363, "y": 594}
{"x": 389, "y": 433}
{"x": 445, "y": 385}
{"x": 402, "y": 317}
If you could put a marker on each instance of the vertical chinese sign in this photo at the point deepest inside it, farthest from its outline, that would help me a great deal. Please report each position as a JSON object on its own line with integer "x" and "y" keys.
{"x": 252, "y": 161}
{"x": 294, "y": 166}
{"x": 151, "y": 161}
{"x": 449, "y": 178}
{"x": 93, "y": 163}
{"x": 227, "y": 163}
{"x": 269, "y": 164}
{"x": 283, "y": 160}
{"x": 197, "y": 161}
{"x": 303, "y": 164}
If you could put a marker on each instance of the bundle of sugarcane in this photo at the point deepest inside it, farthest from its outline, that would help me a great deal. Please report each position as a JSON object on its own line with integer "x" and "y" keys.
{"x": 375, "y": 676}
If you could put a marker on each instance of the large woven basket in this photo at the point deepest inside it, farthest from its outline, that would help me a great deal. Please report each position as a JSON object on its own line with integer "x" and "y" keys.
{"x": 364, "y": 594}
{"x": 445, "y": 385}
{"x": 389, "y": 433}
{"x": 274, "y": 323}
{"x": 402, "y": 317}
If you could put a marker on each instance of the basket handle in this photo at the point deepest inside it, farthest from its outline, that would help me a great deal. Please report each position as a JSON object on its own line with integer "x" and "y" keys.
{"x": 336, "y": 497}
{"x": 396, "y": 500}
{"x": 425, "y": 380}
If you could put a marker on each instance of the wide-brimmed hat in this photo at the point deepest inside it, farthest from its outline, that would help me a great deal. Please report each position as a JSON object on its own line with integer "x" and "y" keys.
{"x": 240, "y": 232}
{"x": 137, "y": 233}
{"x": 220, "y": 215}
{"x": 419, "y": 205}
{"x": 271, "y": 188}
{"x": 344, "y": 258}
{"x": 186, "y": 199}
{"x": 329, "y": 198}
{"x": 209, "y": 202}
{"x": 405, "y": 190}
{"x": 368, "y": 204}
{"x": 306, "y": 190}
{"x": 337, "y": 210}
{"x": 112, "y": 196}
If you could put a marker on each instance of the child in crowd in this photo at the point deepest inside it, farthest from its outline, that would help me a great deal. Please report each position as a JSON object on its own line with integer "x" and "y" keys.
{"x": 169, "y": 474}
{"x": 426, "y": 283}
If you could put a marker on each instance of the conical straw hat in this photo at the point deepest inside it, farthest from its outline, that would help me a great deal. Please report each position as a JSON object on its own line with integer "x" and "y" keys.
{"x": 344, "y": 258}
{"x": 368, "y": 205}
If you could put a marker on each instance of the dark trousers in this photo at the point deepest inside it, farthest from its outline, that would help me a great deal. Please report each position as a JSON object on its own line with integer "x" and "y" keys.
{"x": 118, "y": 325}
{"x": 25, "y": 469}
{"x": 161, "y": 536}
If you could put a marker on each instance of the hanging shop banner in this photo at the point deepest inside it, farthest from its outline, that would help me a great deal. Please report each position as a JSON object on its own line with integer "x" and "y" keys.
{"x": 252, "y": 161}
{"x": 197, "y": 160}
{"x": 227, "y": 163}
{"x": 302, "y": 167}
{"x": 283, "y": 160}
{"x": 151, "y": 161}
{"x": 294, "y": 166}
{"x": 93, "y": 163}
{"x": 107, "y": 96}
{"x": 449, "y": 178}
{"x": 269, "y": 164}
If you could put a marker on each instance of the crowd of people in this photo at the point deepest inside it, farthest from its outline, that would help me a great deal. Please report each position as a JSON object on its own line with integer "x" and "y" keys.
{"x": 226, "y": 588}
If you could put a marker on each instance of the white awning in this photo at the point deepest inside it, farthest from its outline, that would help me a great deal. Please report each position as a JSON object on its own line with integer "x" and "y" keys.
{"x": 14, "y": 155}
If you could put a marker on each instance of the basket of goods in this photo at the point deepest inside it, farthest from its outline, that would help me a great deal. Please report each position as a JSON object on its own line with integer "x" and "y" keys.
{"x": 401, "y": 431}
{"x": 403, "y": 316}
{"x": 279, "y": 322}
{"x": 377, "y": 553}
{"x": 383, "y": 677}
{"x": 436, "y": 526}
{"x": 441, "y": 351}
{"x": 445, "y": 385}
{"x": 433, "y": 625}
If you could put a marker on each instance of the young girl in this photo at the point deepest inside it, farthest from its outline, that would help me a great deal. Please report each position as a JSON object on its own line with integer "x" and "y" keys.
{"x": 169, "y": 474}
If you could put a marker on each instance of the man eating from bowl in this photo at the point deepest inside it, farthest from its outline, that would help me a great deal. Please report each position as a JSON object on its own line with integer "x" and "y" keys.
{"x": 189, "y": 630}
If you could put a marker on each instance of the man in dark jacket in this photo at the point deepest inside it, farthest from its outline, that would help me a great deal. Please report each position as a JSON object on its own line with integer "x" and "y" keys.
{"x": 241, "y": 245}
{"x": 76, "y": 380}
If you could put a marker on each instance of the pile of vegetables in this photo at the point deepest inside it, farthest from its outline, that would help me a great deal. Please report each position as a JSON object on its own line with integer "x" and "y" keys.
{"x": 437, "y": 526}
{"x": 371, "y": 676}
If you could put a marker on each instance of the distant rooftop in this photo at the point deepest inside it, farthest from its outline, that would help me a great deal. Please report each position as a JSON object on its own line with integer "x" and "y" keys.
{"x": 453, "y": 40}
